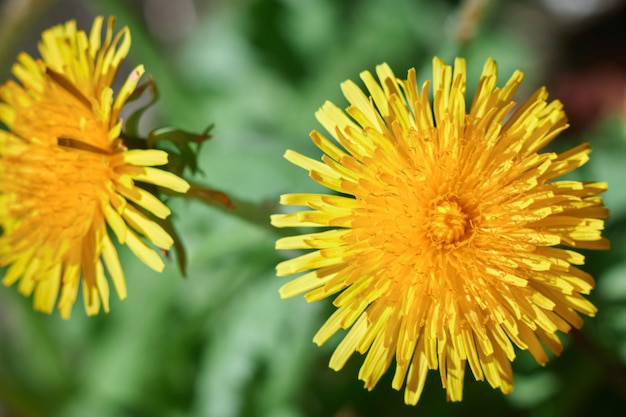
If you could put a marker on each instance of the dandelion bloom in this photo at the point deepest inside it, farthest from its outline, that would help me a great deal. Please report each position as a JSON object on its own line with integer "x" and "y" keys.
{"x": 66, "y": 175}
{"x": 442, "y": 237}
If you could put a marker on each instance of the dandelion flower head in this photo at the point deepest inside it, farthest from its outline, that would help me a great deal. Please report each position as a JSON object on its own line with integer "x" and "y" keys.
{"x": 66, "y": 176}
{"x": 447, "y": 236}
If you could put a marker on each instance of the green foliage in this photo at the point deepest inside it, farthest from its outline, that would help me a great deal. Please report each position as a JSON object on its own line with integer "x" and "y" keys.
{"x": 221, "y": 343}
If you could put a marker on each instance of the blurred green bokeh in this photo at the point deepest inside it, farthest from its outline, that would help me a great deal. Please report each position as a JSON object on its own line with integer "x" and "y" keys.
{"x": 220, "y": 342}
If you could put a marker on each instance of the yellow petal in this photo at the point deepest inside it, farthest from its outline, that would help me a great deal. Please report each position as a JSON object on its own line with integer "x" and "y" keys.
{"x": 163, "y": 179}
{"x": 147, "y": 255}
{"x": 145, "y": 157}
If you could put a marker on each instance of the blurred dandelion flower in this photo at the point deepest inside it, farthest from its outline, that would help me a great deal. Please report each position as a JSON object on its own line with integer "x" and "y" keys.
{"x": 65, "y": 173}
{"x": 442, "y": 241}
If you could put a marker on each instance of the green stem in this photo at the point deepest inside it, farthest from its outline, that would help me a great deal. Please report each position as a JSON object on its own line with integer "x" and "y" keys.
{"x": 257, "y": 214}
{"x": 470, "y": 14}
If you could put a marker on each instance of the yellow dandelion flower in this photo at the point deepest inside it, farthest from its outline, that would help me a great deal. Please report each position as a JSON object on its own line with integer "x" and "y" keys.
{"x": 442, "y": 239}
{"x": 65, "y": 174}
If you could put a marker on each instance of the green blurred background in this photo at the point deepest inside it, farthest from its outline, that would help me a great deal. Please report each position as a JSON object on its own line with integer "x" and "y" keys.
{"x": 220, "y": 342}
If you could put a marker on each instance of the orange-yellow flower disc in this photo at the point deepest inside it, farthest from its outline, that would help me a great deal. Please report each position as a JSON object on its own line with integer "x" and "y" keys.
{"x": 442, "y": 243}
{"x": 66, "y": 177}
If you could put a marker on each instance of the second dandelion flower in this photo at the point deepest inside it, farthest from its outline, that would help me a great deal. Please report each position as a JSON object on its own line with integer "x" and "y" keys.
{"x": 447, "y": 228}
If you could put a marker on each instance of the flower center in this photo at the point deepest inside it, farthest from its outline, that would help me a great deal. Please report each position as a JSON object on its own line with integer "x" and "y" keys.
{"x": 447, "y": 222}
